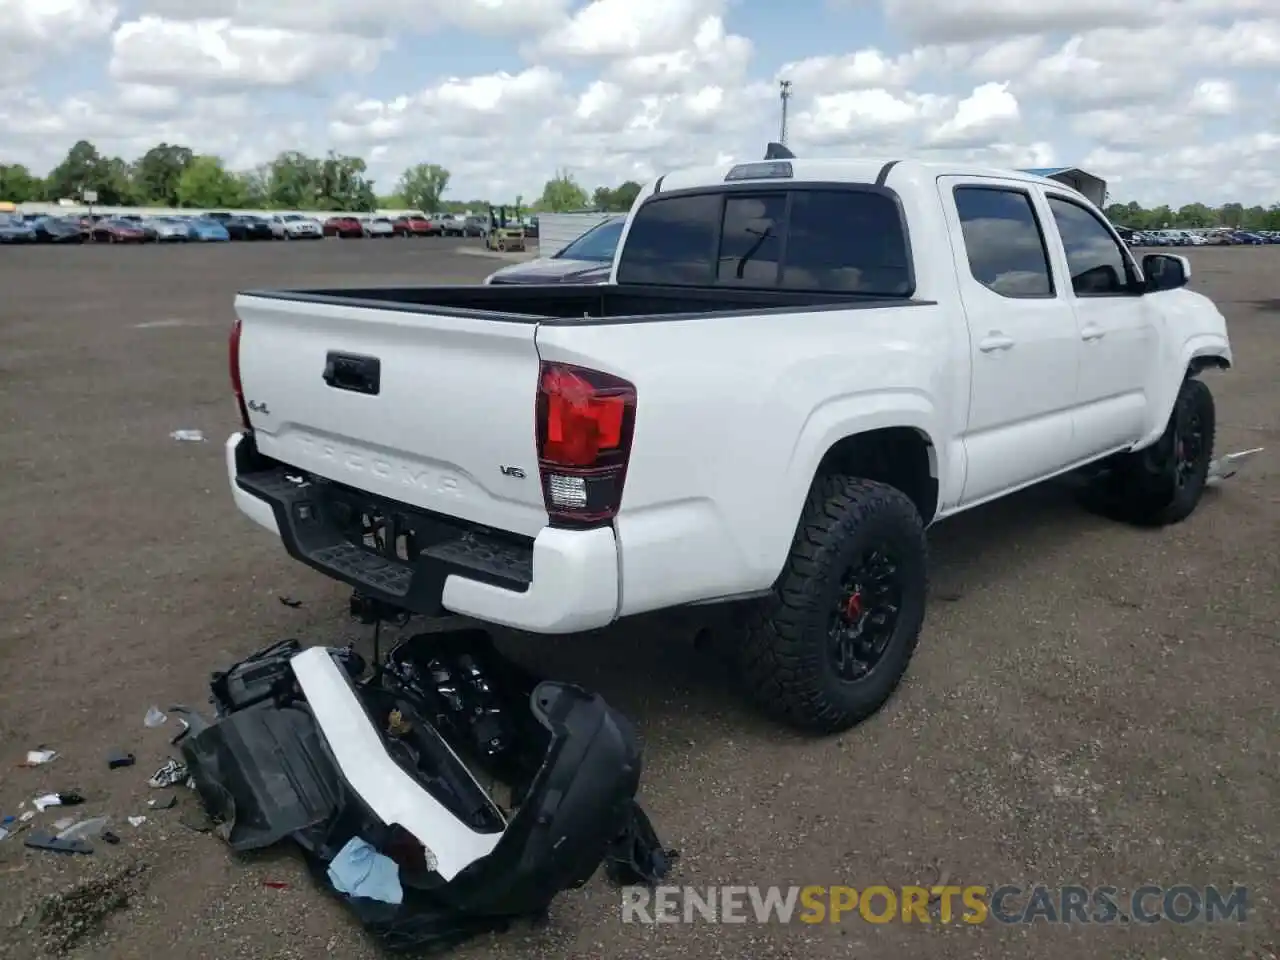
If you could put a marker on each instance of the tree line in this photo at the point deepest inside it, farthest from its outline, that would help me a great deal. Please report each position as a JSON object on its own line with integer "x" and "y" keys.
{"x": 170, "y": 175}
{"x": 1234, "y": 215}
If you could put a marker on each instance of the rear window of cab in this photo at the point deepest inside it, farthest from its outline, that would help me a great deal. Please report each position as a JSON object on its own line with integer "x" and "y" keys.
{"x": 817, "y": 238}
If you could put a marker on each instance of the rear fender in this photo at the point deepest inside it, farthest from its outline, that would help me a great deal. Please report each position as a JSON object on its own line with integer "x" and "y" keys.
{"x": 839, "y": 419}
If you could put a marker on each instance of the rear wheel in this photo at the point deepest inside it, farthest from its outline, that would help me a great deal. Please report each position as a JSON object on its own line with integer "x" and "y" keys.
{"x": 832, "y": 642}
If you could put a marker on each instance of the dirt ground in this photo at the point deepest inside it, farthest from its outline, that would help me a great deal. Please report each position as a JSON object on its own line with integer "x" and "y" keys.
{"x": 1090, "y": 704}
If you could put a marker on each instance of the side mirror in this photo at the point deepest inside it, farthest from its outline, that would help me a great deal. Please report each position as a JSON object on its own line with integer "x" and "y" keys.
{"x": 1165, "y": 271}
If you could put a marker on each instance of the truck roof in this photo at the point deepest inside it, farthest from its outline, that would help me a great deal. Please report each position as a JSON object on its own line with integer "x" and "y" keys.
{"x": 859, "y": 170}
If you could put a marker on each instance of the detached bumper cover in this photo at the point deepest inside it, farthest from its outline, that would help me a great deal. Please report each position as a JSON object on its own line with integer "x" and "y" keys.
{"x": 562, "y": 581}
{"x": 300, "y": 750}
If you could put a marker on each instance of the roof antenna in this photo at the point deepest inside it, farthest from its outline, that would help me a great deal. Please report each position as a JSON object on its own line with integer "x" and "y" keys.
{"x": 777, "y": 151}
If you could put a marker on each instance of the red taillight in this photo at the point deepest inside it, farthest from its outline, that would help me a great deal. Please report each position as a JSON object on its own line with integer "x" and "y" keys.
{"x": 236, "y": 385}
{"x": 585, "y": 422}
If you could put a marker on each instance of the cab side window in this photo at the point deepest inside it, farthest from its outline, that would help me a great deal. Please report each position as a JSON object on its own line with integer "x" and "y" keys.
{"x": 1004, "y": 242}
{"x": 1098, "y": 266}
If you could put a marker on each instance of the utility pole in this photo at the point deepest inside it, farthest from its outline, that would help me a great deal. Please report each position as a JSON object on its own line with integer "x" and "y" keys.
{"x": 784, "y": 94}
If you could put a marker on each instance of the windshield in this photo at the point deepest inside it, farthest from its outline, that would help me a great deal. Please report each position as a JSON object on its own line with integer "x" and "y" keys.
{"x": 597, "y": 244}
{"x": 10, "y": 220}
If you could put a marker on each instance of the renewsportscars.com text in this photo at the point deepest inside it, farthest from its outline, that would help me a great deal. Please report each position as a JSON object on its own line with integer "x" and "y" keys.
{"x": 1008, "y": 904}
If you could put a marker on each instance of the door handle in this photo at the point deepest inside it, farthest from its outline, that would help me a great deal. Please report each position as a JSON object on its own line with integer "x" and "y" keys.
{"x": 995, "y": 341}
{"x": 1091, "y": 333}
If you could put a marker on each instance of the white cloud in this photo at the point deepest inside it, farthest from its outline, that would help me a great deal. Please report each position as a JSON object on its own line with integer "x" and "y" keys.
{"x": 1170, "y": 99}
{"x": 712, "y": 53}
{"x": 980, "y": 118}
{"x": 372, "y": 18}
{"x": 625, "y": 28}
{"x": 32, "y": 32}
{"x": 221, "y": 53}
{"x": 1214, "y": 98}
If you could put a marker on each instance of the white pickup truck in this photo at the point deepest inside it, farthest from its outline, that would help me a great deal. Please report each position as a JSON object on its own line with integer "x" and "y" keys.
{"x": 797, "y": 366}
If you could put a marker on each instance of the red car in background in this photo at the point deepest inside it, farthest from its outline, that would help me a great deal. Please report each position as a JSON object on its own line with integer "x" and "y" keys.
{"x": 344, "y": 227}
{"x": 117, "y": 231}
{"x": 413, "y": 226}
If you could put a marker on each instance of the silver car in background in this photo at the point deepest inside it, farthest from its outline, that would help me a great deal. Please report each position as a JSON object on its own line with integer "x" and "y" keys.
{"x": 375, "y": 227}
{"x": 295, "y": 226}
{"x": 170, "y": 229}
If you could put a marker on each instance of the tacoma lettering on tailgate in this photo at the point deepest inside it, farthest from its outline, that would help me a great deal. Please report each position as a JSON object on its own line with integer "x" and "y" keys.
{"x": 414, "y": 475}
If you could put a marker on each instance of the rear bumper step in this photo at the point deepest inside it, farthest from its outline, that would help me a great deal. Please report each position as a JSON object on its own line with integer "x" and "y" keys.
{"x": 562, "y": 581}
{"x": 319, "y": 522}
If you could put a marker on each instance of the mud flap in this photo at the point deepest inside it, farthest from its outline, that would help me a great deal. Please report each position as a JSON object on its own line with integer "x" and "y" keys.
{"x": 301, "y": 750}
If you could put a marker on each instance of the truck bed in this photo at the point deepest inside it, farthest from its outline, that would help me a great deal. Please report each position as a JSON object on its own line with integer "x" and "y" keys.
{"x": 573, "y": 303}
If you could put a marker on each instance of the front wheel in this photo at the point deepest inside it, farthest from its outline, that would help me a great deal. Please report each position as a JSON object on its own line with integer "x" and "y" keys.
{"x": 1163, "y": 484}
{"x": 832, "y": 641}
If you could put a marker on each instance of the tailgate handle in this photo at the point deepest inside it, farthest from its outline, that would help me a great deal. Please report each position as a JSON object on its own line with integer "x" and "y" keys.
{"x": 349, "y": 371}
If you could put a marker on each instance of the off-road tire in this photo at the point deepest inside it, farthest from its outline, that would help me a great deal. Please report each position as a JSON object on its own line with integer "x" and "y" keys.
{"x": 783, "y": 661}
{"x": 1146, "y": 491}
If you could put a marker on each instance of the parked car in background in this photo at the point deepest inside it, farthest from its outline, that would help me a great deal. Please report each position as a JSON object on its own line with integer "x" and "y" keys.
{"x": 1245, "y": 238}
{"x": 13, "y": 229}
{"x": 118, "y": 230}
{"x": 171, "y": 229}
{"x": 586, "y": 260}
{"x": 452, "y": 225}
{"x": 531, "y": 228}
{"x": 475, "y": 226}
{"x": 208, "y": 231}
{"x": 149, "y": 234}
{"x": 298, "y": 227}
{"x": 411, "y": 225}
{"x": 58, "y": 230}
{"x": 344, "y": 227}
{"x": 377, "y": 227}
{"x": 248, "y": 227}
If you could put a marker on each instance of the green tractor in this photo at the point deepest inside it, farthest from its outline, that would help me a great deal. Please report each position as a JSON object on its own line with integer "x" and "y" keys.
{"x": 506, "y": 230}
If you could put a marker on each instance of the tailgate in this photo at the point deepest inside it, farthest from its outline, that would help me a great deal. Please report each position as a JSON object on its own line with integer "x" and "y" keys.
{"x": 432, "y": 411}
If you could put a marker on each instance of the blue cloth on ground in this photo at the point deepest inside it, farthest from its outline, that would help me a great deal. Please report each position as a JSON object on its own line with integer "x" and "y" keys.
{"x": 359, "y": 870}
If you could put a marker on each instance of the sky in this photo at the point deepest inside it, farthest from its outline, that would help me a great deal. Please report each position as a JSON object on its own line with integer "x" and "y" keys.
{"x": 1171, "y": 101}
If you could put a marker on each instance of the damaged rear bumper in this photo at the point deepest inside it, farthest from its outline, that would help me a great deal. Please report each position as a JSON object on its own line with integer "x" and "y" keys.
{"x": 302, "y": 751}
{"x": 561, "y": 581}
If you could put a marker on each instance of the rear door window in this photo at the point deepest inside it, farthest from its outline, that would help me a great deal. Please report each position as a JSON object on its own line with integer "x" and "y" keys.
{"x": 1003, "y": 241}
{"x": 819, "y": 240}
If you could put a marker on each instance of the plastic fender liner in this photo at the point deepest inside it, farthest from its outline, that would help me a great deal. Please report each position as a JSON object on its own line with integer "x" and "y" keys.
{"x": 577, "y": 805}
{"x": 265, "y": 773}
{"x": 388, "y": 790}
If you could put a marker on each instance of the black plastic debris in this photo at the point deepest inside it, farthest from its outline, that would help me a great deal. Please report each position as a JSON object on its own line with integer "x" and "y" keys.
{"x": 290, "y": 602}
{"x": 377, "y": 781}
{"x": 118, "y": 758}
